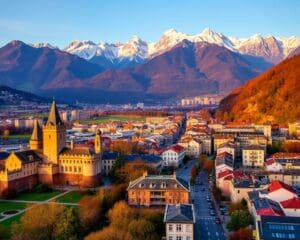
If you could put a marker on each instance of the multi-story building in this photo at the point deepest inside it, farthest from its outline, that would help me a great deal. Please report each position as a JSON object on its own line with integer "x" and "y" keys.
{"x": 50, "y": 160}
{"x": 179, "y": 220}
{"x": 192, "y": 147}
{"x": 173, "y": 156}
{"x": 294, "y": 129}
{"x": 158, "y": 190}
{"x": 253, "y": 156}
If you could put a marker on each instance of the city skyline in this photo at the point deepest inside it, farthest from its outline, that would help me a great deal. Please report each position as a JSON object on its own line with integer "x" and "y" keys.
{"x": 118, "y": 21}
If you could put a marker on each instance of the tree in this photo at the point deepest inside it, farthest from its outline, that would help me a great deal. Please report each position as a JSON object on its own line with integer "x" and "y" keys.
{"x": 217, "y": 192}
{"x": 239, "y": 219}
{"x": 194, "y": 173}
{"x": 38, "y": 222}
{"x": 242, "y": 234}
{"x": 142, "y": 230}
{"x": 67, "y": 226}
{"x": 89, "y": 210}
{"x": 237, "y": 206}
{"x": 107, "y": 233}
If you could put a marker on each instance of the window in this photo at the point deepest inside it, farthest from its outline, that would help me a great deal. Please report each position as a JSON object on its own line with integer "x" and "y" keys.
{"x": 62, "y": 168}
{"x": 178, "y": 238}
{"x": 188, "y": 238}
{"x": 70, "y": 169}
{"x": 188, "y": 229}
{"x": 170, "y": 237}
{"x": 178, "y": 228}
{"x": 170, "y": 227}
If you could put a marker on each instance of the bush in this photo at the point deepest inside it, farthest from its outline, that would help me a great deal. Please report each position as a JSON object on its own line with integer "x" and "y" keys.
{"x": 9, "y": 193}
{"x": 41, "y": 188}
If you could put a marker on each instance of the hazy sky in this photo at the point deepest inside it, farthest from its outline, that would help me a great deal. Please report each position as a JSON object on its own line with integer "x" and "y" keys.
{"x": 61, "y": 21}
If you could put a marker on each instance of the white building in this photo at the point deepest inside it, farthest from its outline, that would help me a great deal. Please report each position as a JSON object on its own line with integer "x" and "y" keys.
{"x": 173, "y": 156}
{"x": 179, "y": 220}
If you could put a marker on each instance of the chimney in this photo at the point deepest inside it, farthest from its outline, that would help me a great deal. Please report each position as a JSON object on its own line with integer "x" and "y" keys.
{"x": 174, "y": 174}
{"x": 145, "y": 174}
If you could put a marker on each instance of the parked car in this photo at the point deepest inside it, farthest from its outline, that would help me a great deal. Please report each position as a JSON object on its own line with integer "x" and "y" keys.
{"x": 212, "y": 213}
{"x": 217, "y": 220}
{"x": 211, "y": 206}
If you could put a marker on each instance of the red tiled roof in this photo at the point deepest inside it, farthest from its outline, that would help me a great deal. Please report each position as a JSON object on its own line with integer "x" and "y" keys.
{"x": 291, "y": 203}
{"x": 270, "y": 161}
{"x": 225, "y": 173}
{"x": 269, "y": 212}
{"x": 276, "y": 185}
{"x": 285, "y": 155}
{"x": 177, "y": 148}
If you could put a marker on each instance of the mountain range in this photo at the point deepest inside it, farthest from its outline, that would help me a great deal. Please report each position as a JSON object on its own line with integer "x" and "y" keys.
{"x": 177, "y": 65}
{"x": 137, "y": 51}
{"x": 271, "y": 97}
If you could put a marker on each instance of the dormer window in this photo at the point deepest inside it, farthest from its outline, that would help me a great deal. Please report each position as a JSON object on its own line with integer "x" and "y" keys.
{"x": 152, "y": 185}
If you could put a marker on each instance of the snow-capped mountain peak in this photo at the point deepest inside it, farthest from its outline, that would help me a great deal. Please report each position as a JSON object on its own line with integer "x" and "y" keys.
{"x": 272, "y": 49}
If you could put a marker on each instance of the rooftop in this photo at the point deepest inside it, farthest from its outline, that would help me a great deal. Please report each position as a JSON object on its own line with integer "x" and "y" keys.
{"x": 179, "y": 213}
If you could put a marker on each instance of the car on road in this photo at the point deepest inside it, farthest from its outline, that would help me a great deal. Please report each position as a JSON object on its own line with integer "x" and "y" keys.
{"x": 208, "y": 199}
{"x": 217, "y": 220}
{"x": 211, "y": 206}
{"x": 212, "y": 213}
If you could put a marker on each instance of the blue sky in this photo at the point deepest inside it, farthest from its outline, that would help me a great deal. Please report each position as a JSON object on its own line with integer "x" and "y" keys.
{"x": 61, "y": 21}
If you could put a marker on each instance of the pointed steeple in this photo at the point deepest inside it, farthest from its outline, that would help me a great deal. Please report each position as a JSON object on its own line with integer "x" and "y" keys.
{"x": 36, "y": 132}
{"x": 36, "y": 140}
{"x": 54, "y": 118}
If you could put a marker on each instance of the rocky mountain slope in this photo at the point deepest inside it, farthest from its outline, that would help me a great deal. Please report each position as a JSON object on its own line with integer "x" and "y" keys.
{"x": 185, "y": 70}
{"x": 273, "y": 96}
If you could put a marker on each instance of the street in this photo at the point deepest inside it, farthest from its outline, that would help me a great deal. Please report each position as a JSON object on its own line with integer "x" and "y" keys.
{"x": 205, "y": 227}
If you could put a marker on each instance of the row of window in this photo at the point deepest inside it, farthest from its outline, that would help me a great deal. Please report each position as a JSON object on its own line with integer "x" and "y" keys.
{"x": 179, "y": 228}
{"x": 70, "y": 169}
{"x": 75, "y": 161}
{"x": 179, "y": 238}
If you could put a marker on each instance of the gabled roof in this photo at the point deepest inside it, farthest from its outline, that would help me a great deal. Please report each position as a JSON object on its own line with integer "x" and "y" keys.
{"x": 179, "y": 213}
{"x": 276, "y": 185}
{"x": 293, "y": 203}
{"x": 77, "y": 151}
{"x": 267, "y": 207}
{"x": 28, "y": 156}
{"x": 54, "y": 118}
{"x": 176, "y": 148}
{"x": 159, "y": 182}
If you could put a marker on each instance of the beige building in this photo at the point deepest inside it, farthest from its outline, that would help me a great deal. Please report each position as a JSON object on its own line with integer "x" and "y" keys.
{"x": 179, "y": 220}
{"x": 253, "y": 156}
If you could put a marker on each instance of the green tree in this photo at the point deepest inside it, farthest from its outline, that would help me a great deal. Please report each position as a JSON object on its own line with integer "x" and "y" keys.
{"x": 142, "y": 229}
{"x": 67, "y": 227}
{"x": 239, "y": 219}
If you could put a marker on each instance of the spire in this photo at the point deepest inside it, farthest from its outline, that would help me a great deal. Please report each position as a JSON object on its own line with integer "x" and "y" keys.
{"x": 54, "y": 118}
{"x": 36, "y": 132}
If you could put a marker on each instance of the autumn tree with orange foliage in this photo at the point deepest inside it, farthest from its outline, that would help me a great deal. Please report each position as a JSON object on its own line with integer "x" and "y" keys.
{"x": 129, "y": 224}
{"x": 89, "y": 210}
{"x": 242, "y": 234}
{"x": 133, "y": 170}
